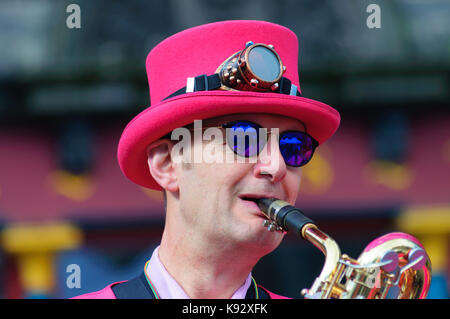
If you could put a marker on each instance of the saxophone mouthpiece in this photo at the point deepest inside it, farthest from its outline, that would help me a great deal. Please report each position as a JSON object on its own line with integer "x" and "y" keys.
{"x": 264, "y": 204}
{"x": 283, "y": 214}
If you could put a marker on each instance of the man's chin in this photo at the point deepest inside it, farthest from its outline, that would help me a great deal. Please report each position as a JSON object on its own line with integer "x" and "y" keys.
{"x": 250, "y": 229}
{"x": 264, "y": 240}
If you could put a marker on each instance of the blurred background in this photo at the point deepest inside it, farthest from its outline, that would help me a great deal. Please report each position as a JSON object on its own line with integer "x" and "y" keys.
{"x": 71, "y": 223}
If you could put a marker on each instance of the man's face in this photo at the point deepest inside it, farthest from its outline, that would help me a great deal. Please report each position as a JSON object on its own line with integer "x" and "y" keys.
{"x": 211, "y": 194}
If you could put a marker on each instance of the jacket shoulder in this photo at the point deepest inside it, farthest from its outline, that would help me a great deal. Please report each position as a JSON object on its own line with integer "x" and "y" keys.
{"x": 273, "y": 295}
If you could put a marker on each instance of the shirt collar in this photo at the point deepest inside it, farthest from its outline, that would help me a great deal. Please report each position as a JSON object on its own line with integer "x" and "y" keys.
{"x": 168, "y": 288}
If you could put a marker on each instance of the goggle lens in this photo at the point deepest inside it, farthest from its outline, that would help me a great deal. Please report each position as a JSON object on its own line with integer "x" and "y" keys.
{"x": 264, "y": 63}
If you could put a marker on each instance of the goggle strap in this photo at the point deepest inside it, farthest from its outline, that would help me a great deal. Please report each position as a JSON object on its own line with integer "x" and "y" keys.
{"x": 286, "y": 87}
{"x": 201, "y": 83}
{"x": 212, "y": 82}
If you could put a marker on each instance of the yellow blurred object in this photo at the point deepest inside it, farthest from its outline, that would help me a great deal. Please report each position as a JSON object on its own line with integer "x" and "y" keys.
{"x": 51, "y": 236}
{"x": 318, "y": 175}
{"x": 426, "y": 220}
{"x": 34, "y": 246}
{"x": 392, "y": 175}
{"x": 437, "y": 248}
{"x": 36, "y": 272}
{"x": 432, "y": 225}
{"x": 74, "y": 187}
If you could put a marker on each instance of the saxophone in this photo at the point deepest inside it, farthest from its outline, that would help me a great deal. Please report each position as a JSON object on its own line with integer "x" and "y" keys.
{"x": 393, "y": 266}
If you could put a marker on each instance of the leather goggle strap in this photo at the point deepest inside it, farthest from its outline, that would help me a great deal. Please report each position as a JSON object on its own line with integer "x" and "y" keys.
{"x": 212, "y": 82}
{"x": 286, "y": 87}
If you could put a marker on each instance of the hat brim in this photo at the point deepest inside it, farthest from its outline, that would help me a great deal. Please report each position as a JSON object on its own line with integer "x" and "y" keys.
{"x": 321, "y": 122}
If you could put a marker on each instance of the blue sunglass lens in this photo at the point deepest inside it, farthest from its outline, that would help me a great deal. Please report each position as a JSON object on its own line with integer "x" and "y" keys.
{"x": 296, "y": 147}
{"x": 243, "y": 137}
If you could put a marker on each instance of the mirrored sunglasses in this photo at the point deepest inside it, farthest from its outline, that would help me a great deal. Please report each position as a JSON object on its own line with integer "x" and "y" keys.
{"x": 244, "y": 139}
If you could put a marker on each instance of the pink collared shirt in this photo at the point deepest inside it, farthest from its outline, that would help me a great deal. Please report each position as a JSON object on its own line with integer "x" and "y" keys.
{"x": 168, "y": 288}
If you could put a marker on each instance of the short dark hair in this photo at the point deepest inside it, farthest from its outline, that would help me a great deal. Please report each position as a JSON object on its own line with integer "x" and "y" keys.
{"x": 165, "y": 199}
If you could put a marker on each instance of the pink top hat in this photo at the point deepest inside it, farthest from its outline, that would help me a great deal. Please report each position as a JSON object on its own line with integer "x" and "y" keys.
{"x": 201, "y": 50}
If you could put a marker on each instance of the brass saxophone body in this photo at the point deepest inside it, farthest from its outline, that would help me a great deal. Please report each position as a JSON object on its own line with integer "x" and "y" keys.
{"x": 393, "y": 266}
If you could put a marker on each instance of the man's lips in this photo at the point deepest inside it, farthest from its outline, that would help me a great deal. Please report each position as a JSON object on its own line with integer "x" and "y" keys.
{"x": 250, "y": 200}
{"x": 253, "y": 208}
{"x": 250, "y": 203}
{"x": 255, "y": 197}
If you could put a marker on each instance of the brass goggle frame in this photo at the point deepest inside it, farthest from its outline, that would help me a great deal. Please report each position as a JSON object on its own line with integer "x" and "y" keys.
{"x": 236, "y": 72}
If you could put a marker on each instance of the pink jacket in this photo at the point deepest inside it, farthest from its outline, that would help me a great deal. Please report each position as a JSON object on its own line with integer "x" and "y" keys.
{"x": 107, "y": 293}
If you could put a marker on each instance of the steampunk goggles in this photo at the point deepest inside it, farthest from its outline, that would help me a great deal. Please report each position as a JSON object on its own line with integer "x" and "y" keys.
{"x": 257, "y": 68}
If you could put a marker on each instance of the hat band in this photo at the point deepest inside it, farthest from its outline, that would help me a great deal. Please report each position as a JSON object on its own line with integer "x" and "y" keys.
{"x": 213, "y": 82}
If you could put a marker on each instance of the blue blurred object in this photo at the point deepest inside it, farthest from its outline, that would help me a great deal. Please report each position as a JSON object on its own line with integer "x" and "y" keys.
{"x": 76, "y": 147}
{"x": 390, "y": 137}
{"x": 37, "y": 296}
{"x": 97, "y": 270}
{"x": 439, "y": 287}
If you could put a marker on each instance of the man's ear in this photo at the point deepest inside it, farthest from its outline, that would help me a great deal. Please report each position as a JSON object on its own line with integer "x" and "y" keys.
{"x": 161, "y": 166}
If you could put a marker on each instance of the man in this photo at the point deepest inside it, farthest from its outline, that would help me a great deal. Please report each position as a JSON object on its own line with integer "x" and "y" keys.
{"x": 235, "y": 76}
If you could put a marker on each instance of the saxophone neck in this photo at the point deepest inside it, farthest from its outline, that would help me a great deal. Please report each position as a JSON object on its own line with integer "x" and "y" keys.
{"x": 326, "y": 280}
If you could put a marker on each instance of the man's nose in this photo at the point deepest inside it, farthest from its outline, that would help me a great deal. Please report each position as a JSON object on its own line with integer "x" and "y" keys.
{"x": 270, "y": 161}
